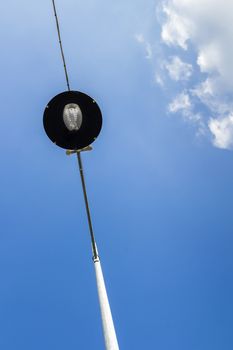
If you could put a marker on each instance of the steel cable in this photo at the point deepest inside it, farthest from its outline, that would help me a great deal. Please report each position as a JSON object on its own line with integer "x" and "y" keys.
{"x": 61, "y": 47}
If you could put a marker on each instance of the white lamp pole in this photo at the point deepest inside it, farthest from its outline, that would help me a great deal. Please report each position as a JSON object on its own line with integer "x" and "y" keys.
{"x": 107, "y": 321}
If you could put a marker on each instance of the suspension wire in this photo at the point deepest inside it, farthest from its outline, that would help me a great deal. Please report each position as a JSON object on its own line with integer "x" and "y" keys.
{"x": 61, "y": 47}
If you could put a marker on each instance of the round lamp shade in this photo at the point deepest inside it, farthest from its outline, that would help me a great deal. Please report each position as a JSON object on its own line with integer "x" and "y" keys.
{"x": 72, "y": 120}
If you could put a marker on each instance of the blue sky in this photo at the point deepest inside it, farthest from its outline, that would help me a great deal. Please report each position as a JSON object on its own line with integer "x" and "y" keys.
{"x": 159, "y": 178}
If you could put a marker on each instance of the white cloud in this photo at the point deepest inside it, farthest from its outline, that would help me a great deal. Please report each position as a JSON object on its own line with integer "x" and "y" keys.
{"x": 209, "y": 93}
{"x": 178, "y": 70}
{"x": 210, "y": 58}
{"x": 206, "y": 27}
{"x": 180, "y": 103}
{"x": 159, "y": 79}
{"x": 139, "y": 38}
{"x": 222, "y": 130}
{"x": 148, "y": 48}
{"x": 176, "y": 30}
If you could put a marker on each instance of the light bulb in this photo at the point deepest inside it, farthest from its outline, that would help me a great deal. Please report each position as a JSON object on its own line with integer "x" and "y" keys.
{"x": 72, "y": 116}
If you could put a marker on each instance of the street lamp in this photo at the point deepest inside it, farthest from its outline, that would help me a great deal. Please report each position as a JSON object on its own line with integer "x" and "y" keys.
{"x": 72, "y": 120}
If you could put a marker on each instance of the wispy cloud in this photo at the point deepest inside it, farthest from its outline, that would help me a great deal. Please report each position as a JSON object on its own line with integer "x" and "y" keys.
{"x": 222, "y": 130}
{"x": 183, "y": 105}
{"x": 159, "y": 80}
{"x": 177, "y": 29}
{"x": 177, "y": 69}
{"x": 146, "y": 44}
{"x": 180, "y": 103}
{"x": 191, "y": 24}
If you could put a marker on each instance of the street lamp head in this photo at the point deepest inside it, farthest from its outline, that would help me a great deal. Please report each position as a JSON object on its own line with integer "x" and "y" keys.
{"x": 72, "y": 120}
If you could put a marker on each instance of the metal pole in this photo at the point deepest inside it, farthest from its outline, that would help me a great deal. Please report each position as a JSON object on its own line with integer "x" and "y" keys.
{"x": 106, "y": 315}
{"x": 107, "y": 321}
{"x": 93, "y": 244}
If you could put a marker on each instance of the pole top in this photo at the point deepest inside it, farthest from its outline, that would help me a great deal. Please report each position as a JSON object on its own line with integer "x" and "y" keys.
{"x": 69, "y": 151}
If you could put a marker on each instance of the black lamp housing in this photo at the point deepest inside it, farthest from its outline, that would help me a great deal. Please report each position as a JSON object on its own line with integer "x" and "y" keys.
{"x": 72, "y": 120}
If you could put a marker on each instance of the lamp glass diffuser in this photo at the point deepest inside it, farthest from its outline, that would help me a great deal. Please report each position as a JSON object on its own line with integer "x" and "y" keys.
{"x": 72, "y": 116}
